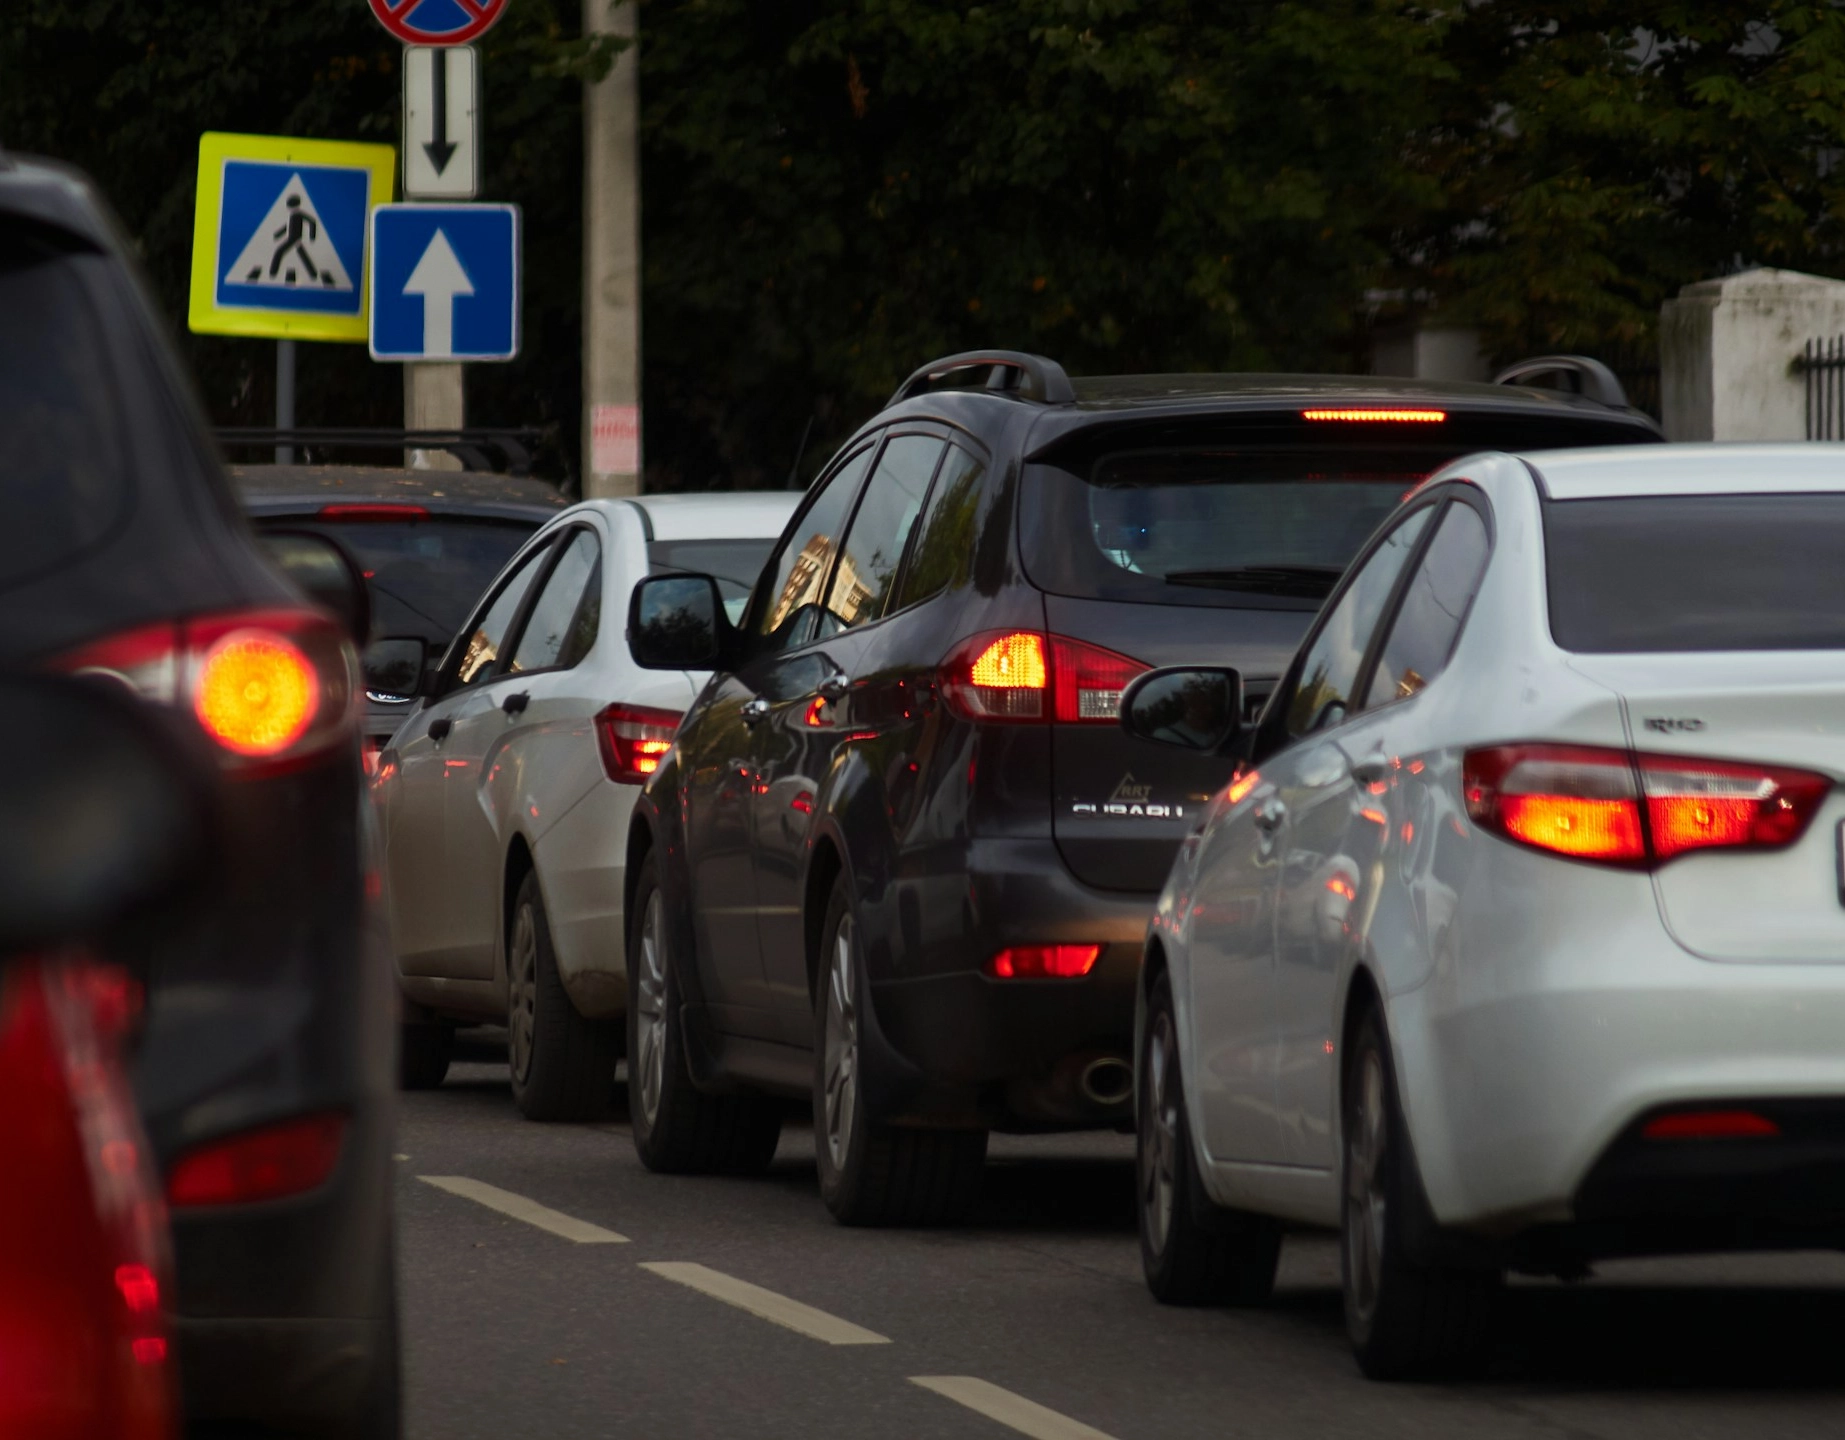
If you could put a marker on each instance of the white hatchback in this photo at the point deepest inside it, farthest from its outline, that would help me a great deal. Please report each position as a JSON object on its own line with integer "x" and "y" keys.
{"x": 504, "y": 799}
{"x": 1518, "y": 941}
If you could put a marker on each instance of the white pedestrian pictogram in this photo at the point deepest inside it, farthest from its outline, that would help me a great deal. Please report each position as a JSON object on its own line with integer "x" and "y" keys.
{"x": 290, "y": 248}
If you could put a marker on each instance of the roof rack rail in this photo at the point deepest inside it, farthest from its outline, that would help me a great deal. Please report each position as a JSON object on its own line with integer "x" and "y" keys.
{"x": 1578, "y": 374}
{"x": 1031, "y": 377}
{"x": 484, "y": 448}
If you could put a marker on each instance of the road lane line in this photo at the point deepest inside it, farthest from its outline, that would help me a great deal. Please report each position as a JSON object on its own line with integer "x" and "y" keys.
{"x": 530, "y": 1211}
{"x": 1015, "y": 1412}
{"x": 815, "y": 1324}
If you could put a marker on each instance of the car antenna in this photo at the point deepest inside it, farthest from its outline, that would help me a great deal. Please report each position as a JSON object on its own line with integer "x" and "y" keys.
{"x": 800, "y": 453}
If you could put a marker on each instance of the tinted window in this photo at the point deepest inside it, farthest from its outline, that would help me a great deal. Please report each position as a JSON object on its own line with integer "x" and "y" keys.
{"x": 481, "y": 649}
{"x": 1434, "y": 604}
{"x": 1697, "y": 572}
{"x": 945, "y": 545}
{"x": 562, "y": 626}
{"x": 734, "y": 563}
{"x": 791, "y": 601}
{"x": 867, "y": 569}
{"x": 66, "y": 473}
{"x": 1323, "y": 694}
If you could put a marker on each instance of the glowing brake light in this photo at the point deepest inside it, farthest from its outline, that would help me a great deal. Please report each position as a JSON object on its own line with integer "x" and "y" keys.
{"x": 256, "y": 693}
{"x": 1009, "y": 675}
{"x": 1375, "y": 415}
{"x": 1620, "y": 808}
{"x": 268, "y": 1164}
{"x": 1044, "y": 962}
{"x": 634, "y": 740}
{"x": 1710, "y": 1125}
{"x": 374, "y": 511}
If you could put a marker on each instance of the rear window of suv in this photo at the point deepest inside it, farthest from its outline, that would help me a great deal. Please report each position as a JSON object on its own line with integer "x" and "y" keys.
{"x": 1681, "y": 573}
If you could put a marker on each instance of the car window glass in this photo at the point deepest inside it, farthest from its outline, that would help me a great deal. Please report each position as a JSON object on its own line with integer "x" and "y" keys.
{"x": 481, "y": 645}
{"x": 945, "y": 544}
{"x": 867, "y": 570}
{"x": 790, "y": 604}
{"x": 1323, "y": 693}
{"x": 1434, "y": 604}
{"x": 562, "y": 625}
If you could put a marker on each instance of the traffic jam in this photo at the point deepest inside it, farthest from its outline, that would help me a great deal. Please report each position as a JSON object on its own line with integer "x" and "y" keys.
{"x": 1144, "y": 894}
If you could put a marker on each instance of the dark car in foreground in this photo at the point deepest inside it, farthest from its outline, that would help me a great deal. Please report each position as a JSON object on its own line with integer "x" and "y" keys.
{"x": 901, "y": 856}
{"x": 428, "y": 541}
{"x": 264, "y": 1068}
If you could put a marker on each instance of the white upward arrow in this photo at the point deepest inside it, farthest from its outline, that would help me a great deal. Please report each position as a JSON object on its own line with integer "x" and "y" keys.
{"x": 438, "y": 278}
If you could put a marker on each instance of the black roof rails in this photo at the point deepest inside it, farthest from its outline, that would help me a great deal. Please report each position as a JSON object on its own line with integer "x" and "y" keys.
{"x": 1031, "y": 377}
{"x": 506, "y": 450}
{"x": 1577, "y": 374}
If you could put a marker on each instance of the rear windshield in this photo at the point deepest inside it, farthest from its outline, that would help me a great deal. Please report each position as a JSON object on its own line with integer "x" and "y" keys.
{"x": 1697, "y": 572}
{"x": 425, "y": 575}
{"x": 735, "y": 563}
{"x": 66, "y": 475}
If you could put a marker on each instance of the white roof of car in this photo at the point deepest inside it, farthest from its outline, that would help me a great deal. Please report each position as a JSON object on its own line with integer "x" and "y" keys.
{"x": 740, "y": 514}
{"x": 1701, "y": 469}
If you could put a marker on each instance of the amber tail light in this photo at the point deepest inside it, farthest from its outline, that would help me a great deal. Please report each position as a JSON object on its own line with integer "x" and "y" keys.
{"x": 634, "y": 740}
{"x": 1021, "y": 675}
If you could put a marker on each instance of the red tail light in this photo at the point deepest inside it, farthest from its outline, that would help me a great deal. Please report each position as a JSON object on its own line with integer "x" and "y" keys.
{"x": 1620, "y": 808}
{"x": 1044, "y": 962}
{"x": 634, "y": 740}
{"x": 270, "y": 687}
{"x": 1008, "y": 675}
{"x": 268, "y": 1164}
{"x": 375, "y": 511}
{"x": 1710, "y": 1125}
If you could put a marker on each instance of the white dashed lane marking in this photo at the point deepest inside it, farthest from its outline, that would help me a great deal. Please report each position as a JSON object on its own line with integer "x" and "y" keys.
{"x": 1013, "y": 1411}
{"x": 520, "y": 1208}
{"x": 815, "y": 1324}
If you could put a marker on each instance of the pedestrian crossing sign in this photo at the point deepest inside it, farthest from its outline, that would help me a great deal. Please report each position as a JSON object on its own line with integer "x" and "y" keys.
{"x": 279, "y": 235}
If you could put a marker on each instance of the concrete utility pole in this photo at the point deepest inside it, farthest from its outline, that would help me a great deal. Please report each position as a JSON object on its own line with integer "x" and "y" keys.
{"x": 433, "y": 400}
{"x": 612, "y": 263}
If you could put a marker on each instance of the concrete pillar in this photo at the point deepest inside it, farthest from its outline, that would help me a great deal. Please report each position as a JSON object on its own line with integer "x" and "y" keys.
{"x": 612, "y": 264}
{"x": 433, "y": 400}
{"x": 1727, "y": 350}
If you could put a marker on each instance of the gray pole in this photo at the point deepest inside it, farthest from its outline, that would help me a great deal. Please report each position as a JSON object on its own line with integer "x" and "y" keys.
{"x": 285, "y": 397}
{"x": 612, "y": 264}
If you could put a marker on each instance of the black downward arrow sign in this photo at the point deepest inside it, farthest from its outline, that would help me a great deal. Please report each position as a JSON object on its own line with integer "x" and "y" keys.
{"x": 438, "y": 148}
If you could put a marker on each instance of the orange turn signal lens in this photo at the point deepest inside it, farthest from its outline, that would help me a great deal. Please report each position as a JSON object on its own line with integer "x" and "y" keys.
{"x": 256, "y": 693}
{"x": 1012, "y": 662}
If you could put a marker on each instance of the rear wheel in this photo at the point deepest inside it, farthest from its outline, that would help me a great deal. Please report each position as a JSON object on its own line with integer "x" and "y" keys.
{"x": 563, "y": 1066}
{"x": 1192, "y": 1251}
{"x": 423, "y": 1055}
{"x": 677, "y": 1128}
{"x": 873, "y": 1174}
{"x": 1405, "y": 1318}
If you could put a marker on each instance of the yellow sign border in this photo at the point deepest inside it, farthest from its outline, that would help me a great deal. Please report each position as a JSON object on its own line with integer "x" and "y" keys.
{"x": 204, "y": 315}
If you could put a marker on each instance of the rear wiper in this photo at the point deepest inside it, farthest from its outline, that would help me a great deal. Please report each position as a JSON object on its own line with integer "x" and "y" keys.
{"x": 1311, "y": 581}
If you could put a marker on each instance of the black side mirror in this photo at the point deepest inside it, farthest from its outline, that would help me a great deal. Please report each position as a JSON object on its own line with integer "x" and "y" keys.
{"x": 397, "y": 667}
{"x": 327, "y": 574}
{"x": 109, "y": 820}
{"x": 1193, "y": 707}
{"x": 677, "y": 622}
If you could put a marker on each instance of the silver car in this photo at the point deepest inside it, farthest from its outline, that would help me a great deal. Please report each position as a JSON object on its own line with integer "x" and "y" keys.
{"x": 1518, "y": 940}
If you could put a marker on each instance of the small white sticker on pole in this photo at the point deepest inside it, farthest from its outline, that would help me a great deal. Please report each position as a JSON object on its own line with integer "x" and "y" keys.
{"x": 615, "y": 440}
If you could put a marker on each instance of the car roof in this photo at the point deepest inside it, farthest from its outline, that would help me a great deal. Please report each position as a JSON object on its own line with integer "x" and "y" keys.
{"x": 55, "y": 196}
{"x": 1134, "y": 392}
{"x": 1699, "y": 469}
{"x": 304, "y": 489}
{"x": 713, "y": 515}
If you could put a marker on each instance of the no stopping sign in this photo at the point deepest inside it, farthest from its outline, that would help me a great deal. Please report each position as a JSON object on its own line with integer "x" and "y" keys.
{"x": 438, "y": 22}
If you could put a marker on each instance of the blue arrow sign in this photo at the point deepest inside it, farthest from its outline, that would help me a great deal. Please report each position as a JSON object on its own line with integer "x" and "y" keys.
{"x": 445, "y": 282}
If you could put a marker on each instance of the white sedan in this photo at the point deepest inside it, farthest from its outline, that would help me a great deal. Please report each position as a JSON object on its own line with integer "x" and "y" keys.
{"x": 504, "y": 799}
{"x": 1518, "y": 940}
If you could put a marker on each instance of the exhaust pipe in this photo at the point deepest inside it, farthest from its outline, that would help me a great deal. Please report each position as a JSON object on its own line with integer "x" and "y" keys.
{"x": 1107, "y": 1082}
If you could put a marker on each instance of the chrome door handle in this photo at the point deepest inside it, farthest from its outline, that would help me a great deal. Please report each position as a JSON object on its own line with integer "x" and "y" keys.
{"x": 1269, "y": 815}
{"x": 755, "y": 711}
{"x": 835, "y": 685}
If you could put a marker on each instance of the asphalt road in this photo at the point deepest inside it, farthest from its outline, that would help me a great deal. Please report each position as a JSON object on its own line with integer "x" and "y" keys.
{"x": 1036, "y": 1311}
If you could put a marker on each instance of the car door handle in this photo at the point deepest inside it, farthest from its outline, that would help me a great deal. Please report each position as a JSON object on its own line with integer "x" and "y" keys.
{"x": 835, "y": 685}
{"x": 754, "y": 712}
{"x": 1269, "y": 815}
{"x": 515, "y": 704}
{"x": 439, "y": 728}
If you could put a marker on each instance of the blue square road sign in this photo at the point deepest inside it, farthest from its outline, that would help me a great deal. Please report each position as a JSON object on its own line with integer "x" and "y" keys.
{"x": 445, "y": 282}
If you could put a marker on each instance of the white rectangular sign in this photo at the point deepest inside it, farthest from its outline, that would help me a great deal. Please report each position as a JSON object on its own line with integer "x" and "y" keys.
{"x": 441, "y": 122}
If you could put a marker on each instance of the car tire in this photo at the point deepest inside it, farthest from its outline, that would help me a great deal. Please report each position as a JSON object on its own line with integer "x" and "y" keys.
{"x": 870, "y": 1173}
{"x": 423, "y": 1055}
{"x": 677, "y": 1128}
{"x": 1407, "y": 1319}
{"x": 563, "y": 1066}
{"x": 1192, "y": 1251}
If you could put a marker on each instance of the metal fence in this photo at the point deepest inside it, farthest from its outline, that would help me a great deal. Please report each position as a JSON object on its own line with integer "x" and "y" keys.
{"x": 1637, "y": 368}
{"x": 1823, "y": 364}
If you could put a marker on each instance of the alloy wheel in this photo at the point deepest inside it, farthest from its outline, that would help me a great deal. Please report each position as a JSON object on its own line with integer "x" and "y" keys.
{"x": 1365, "y": 1192}
{"x": 1159, "y": 1131}
{"x": 650, "y": 1007}
{"x": 840, "y": 1061}
{"x": 522, "y": 996}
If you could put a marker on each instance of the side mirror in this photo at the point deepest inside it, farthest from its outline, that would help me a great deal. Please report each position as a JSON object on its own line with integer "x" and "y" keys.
{"x": 677, "y": 622}
{"x": 1194, "y": 707}
{"x": 327, "y": 574}
{"x": 397, "y": 667}
{"x": 110, "y": 819}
